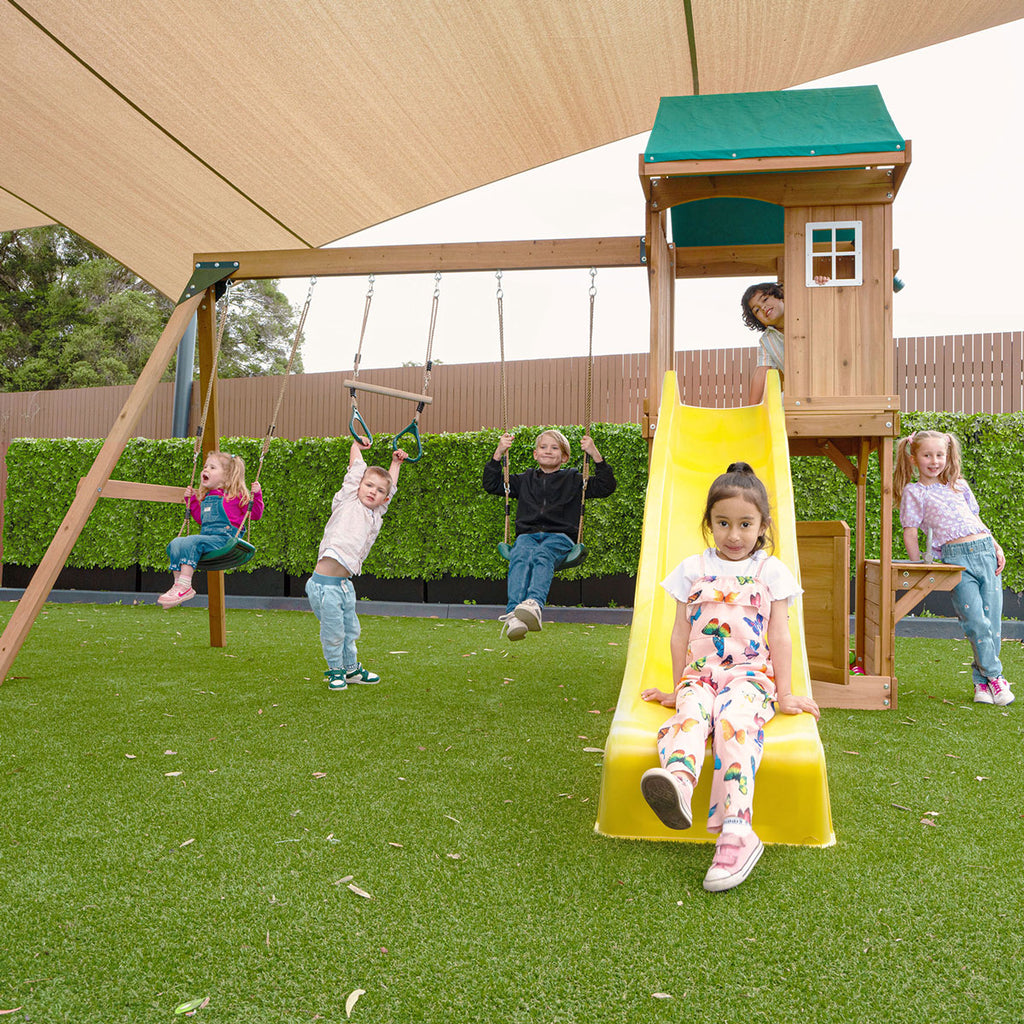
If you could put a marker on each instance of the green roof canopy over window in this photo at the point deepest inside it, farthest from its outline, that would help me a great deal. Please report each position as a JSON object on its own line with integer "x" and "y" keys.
{"x": 797, "y": 122}
{"x": 725, "y": 221}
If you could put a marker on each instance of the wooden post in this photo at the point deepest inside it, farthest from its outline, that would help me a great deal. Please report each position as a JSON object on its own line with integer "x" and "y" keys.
{"x": 887, "y": 598}
{"x": 92, "y": 486}
{"x": 206, "y": 340}
{"x": 661, "y": 274}
{"x": 860, "y": 604}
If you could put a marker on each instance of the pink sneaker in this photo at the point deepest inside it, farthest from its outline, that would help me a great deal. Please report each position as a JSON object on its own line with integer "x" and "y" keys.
{"x": 982, "y": 693}
{"x": 735, "y": 857}
{"x": 178, "y": 594}
{"x": 1001, "y": 692}
{"x": 668, "y": 796}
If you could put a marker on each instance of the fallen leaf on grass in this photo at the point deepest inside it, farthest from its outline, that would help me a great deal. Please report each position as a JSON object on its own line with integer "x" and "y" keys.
{"x": 981, "y": 778}
{"x": 188, "y": 842}
{"x": 660, "y": 995}
{"x": 171, "y": 775}
{"x": 854, "y": 752}
{"x": 15, "y": 1010}
{"x": 359, "y": 892}
{"x": 398, "y": 652}
{"x": 398, "y": 845}
{"x": 456, "y": 820}
{"x": 319, "y": 775}
{"x": 928, "y": 821}
{"x": 170, "y": 751}
{"x": 353, "y": 999}
{"x": 593, "y": 750}
{"x": 454, "y": 856}
{"x": 189, "y": 1008}
{"x": 900, "y": 807}
{"x": 342, "y": 881}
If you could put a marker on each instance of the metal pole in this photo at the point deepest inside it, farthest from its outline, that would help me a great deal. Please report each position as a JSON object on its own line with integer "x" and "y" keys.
{"x": 184, "y": 367}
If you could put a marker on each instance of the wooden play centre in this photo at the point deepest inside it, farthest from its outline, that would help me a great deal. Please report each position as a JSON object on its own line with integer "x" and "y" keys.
{"x": 778, "y": 184}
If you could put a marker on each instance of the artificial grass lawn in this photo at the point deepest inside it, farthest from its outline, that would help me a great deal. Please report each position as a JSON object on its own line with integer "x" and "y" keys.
{"x": 180, "y": 822}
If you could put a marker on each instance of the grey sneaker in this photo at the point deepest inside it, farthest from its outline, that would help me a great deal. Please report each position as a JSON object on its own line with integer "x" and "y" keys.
{"x": 529, "y": 612}
{"x": 514, "y": 627}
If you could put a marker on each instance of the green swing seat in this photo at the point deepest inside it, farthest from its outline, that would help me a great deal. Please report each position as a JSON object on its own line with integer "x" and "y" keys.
{"x": 573, "y": 557}
{"x": 235, "y": 553}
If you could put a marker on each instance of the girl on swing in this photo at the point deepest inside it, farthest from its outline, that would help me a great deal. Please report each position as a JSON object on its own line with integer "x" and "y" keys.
{"x": 220, "y": 508}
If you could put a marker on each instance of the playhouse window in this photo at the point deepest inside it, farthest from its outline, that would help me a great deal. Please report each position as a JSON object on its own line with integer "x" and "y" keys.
{"x": 834, "y": 252}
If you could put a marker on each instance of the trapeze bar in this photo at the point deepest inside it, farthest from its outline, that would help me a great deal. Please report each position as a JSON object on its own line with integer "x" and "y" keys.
{"x": 377, "y": 389}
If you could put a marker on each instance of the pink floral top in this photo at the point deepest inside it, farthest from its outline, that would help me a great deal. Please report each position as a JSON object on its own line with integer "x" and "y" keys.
{"x": 945, "y": 512}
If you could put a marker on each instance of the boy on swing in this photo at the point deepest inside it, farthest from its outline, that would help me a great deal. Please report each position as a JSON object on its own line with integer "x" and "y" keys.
{"x": 549, "y": 503}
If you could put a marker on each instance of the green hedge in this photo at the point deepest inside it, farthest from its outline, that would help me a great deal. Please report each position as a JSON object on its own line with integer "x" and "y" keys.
{"x": 442, "y": 522}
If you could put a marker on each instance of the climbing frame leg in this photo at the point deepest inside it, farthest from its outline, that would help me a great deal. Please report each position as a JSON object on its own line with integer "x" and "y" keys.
{"x": 92, "y": 484}
{"x": 206, "y": 341}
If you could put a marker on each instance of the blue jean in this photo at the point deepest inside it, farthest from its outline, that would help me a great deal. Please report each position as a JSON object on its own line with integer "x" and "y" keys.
{"x": 531, "y": 568}
{"x": 333, "y": 600}
{"x": 978, "y": 603}
{"x": 188, "y": 550}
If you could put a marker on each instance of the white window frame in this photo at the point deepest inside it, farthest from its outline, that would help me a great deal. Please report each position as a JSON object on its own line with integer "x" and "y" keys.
{"x": 858, "y": 256}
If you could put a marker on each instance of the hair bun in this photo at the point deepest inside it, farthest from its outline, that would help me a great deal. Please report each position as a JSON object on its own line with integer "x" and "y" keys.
{"x": 740, "y": 467}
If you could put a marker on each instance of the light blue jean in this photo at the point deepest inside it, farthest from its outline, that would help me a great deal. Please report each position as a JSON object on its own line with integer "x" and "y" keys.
{"x": 333, "y": 600}
{"x": 531, "y": 567}
{"x": 978, "y": 603}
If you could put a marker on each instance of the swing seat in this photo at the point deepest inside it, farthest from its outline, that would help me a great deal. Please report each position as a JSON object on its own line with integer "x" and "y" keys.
{"x": 573, "y": 557}
{"x": 231, "y": 556}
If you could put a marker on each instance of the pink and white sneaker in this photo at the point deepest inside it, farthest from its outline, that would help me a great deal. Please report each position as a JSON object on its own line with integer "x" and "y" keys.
{"x": 1001, "y": 692}
{"x": 178, "y": 594}
{"x": 735, "y": 857}
{"x": 982, "y": 693}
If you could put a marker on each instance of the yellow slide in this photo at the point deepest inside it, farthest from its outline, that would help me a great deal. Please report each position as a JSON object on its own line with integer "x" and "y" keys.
{"x": 691, "y": 447}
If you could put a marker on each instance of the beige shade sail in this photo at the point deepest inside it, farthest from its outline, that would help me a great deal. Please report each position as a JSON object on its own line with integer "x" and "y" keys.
{"x": 158, "y": 130}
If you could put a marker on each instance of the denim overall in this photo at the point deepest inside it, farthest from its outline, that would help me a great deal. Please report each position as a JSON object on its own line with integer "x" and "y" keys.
{"x": 216, "y": 531}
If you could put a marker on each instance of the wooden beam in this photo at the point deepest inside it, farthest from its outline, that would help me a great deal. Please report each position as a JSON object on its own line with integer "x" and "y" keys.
{"x": 548, "y": 254}
{"x": 379, "y": 389}
{"x": 863, "y": 186}
{"x": 52, "y": 562}
{"x": 206, "y": 340}
{"x": 699, "y": 261}
{"x": 134, "y": 491}
{"x": 760, "y": 164}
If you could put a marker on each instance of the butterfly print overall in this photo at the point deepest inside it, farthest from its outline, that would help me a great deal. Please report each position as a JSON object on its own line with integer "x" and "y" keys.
{"x": 725, "y": 692}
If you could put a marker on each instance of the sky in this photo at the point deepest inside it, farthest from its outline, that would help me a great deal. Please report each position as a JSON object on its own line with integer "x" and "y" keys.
{"x": 957, "y": 222}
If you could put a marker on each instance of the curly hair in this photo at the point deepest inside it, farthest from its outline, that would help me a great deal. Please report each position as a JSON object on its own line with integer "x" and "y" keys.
{"x": 772, "y": 288}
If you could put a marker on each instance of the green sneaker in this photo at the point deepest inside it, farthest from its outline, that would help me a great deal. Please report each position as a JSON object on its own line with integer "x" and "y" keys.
{"x": 335, "y": 679}
{"x": 361, "y": 675}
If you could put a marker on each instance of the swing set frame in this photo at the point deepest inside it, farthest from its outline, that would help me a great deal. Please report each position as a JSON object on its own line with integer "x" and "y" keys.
{"x": 199, "y": 300}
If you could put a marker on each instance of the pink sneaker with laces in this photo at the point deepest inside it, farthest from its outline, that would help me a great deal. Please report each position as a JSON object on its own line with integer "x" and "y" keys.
{"x": 982, "y": 693}
{"x": 178, "y": 594}
{"x": 1001, "y": 692}
{"x": 735, "y": 857}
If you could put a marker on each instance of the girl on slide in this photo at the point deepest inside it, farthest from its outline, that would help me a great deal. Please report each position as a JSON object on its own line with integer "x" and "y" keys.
{"x": 731, "y": 668}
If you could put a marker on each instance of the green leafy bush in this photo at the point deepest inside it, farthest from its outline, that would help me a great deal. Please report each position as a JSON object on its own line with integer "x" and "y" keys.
{"x": 442, "y": 522}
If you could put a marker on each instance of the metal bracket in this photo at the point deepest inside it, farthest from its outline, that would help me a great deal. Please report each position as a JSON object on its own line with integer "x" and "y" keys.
{"x": 205, "y": 274}
{"x": 643, "y": 250}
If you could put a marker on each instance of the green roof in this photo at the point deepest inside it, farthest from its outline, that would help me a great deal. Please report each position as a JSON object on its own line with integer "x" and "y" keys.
{"x": 797, "y": 122}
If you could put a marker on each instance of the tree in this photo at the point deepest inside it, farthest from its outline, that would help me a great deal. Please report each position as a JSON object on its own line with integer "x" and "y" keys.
{"x": 71, "y": 316}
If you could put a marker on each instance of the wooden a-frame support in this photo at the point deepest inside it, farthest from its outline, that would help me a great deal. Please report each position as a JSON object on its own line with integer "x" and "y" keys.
{"x": 551, "y": 254}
